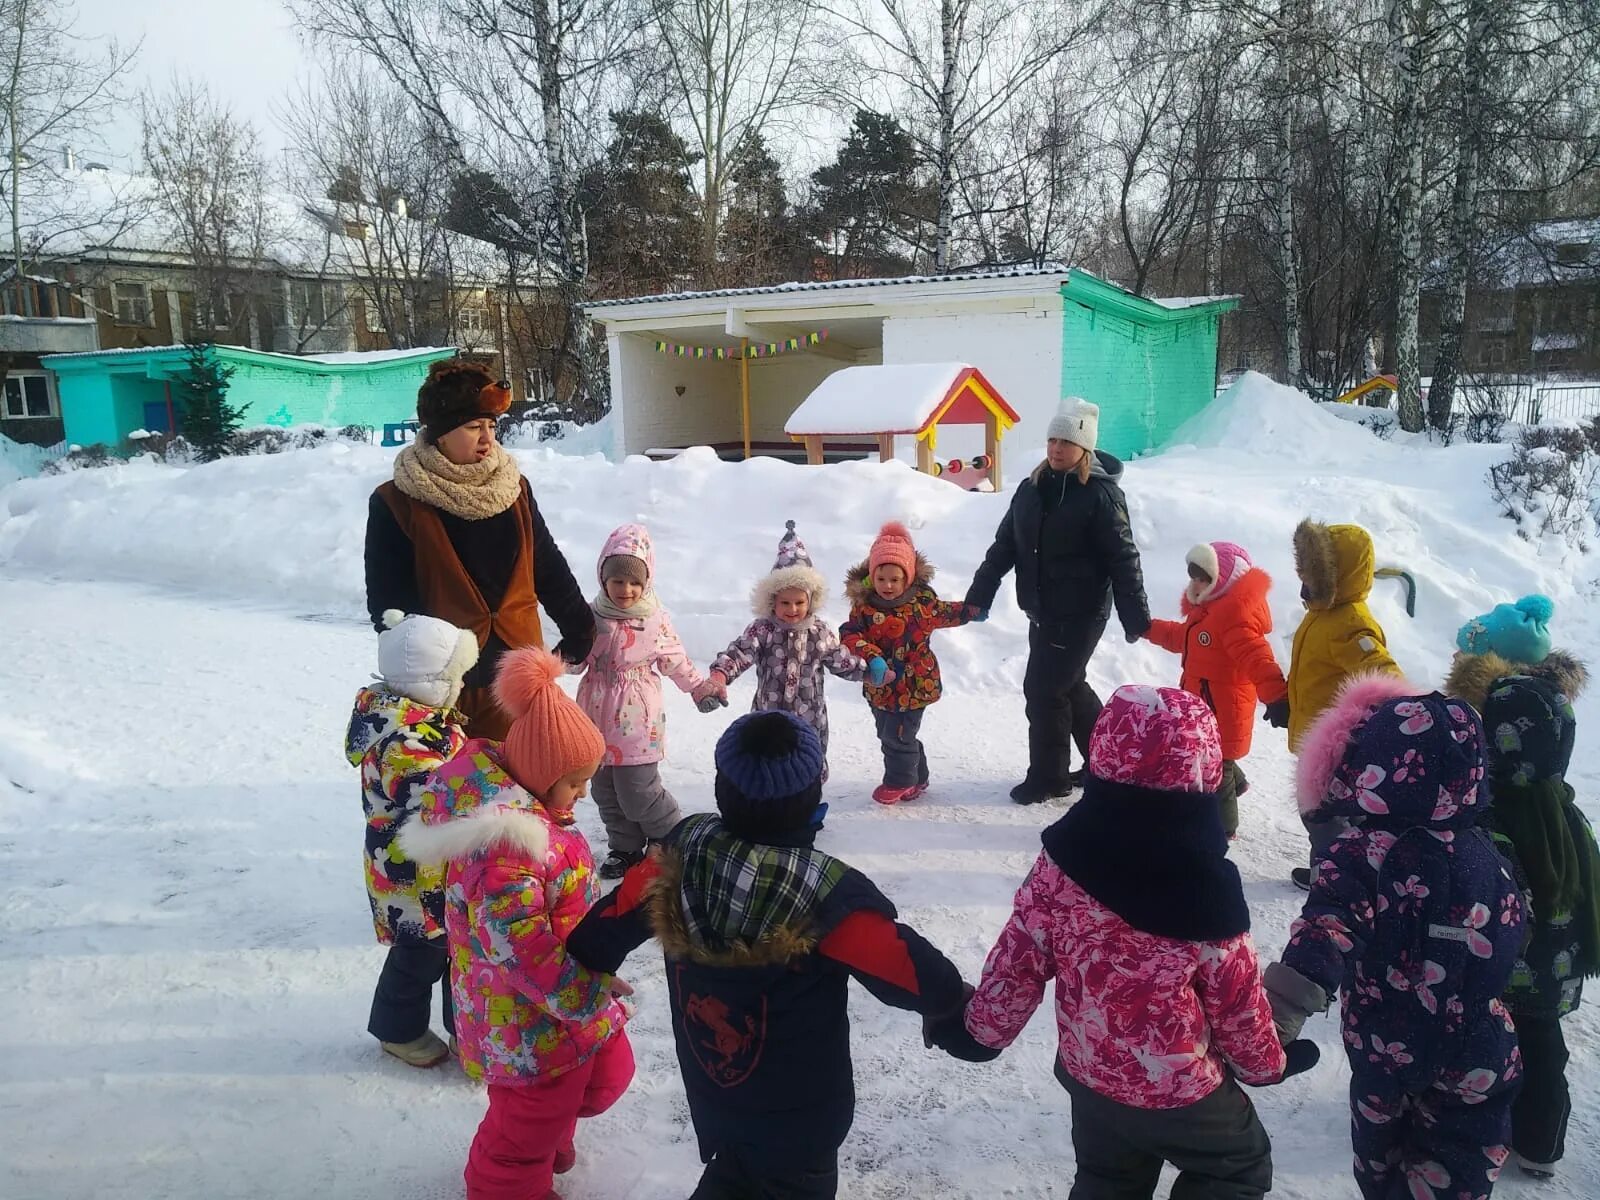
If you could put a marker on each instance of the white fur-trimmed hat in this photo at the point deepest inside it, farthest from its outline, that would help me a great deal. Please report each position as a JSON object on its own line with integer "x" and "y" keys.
{"x": 791, "y": 569}
{"x": 425, "y": 659}
{"x": 1076, "y": 421}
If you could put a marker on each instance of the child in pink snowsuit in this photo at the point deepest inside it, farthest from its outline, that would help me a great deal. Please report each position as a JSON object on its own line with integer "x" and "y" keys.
{"x": 544, "y": 1032}
{"x": 634, "y": 646}
{"x": 1137, "y": 915}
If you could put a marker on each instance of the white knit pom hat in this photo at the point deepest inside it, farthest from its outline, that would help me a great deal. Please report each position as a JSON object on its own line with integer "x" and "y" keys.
{"x": 1076, "y": 421}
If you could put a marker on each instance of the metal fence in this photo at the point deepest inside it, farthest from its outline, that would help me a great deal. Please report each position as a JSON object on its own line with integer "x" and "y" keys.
{"x": 1560, "y": 402}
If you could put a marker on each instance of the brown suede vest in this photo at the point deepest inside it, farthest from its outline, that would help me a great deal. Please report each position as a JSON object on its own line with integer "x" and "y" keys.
{"x": 449, "y": 593}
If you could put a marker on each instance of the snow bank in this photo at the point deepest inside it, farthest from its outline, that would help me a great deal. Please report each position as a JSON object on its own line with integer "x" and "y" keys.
{"x": 287, "y": 530}
{"x": 19, "y": 460}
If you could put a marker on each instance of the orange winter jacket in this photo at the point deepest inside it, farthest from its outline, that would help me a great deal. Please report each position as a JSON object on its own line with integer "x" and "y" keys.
{"x": 1226, "y": 659}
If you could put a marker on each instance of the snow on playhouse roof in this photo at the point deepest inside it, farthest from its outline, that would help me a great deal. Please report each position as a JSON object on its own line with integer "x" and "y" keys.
{"x": 833, "y": 285}
{"x": 898, "y": 398}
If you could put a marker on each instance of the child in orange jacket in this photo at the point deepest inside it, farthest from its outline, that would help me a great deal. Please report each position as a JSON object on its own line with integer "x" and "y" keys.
{"x": 1227, "y": 661}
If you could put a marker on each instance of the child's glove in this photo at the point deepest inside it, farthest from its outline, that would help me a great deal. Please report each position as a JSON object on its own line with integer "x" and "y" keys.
{"x": 712, "y": 693}
{"x": 877, "y": 671}
{"x": 1293, "y": 998}
{"x": 1277, "y": 714}
{"x": 1302, "y": 1055}
{"x": 1133, "y": 635}
{"x": 949, "y": 1033}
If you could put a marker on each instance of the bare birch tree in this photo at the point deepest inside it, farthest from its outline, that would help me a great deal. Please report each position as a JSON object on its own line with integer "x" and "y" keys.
{"x": 57, "y": 90}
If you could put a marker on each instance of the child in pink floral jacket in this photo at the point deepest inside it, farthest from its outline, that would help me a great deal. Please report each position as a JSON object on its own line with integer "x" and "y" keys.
{"x": 543, "y": 1031}
{"x": 635, "y": 646}
{"x": 1136, "y": 913}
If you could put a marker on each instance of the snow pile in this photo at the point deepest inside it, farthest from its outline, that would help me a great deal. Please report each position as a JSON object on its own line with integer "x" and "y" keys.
{"x": 566, "y": 437}
{"x": 1259, "y": 416}
{"x": 1374, "y": 419}
{"x": 893, "y": 398}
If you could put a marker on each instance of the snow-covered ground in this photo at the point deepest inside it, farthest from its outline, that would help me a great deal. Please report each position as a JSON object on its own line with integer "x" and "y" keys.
{"x": 189, "y": 951}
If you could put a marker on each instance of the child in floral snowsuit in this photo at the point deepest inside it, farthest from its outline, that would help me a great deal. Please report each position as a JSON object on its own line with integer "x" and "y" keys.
{"x": 789, "y": 644}
{"x": 635, "y": 646}
{"x": 1415, "y": 917}
{"x": 893, "y": 614}
{"x": 543, "y": 1031}
{"x": 400, "y": 731}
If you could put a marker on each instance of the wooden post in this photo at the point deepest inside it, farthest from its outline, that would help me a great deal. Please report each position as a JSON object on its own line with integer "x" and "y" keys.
{"x": 886, "y": 447}
{"x": 814, "y": 449}
{"x": 991, "y": 447}
{"x": 924, "y": 456}
{"x": 744, "y": 392}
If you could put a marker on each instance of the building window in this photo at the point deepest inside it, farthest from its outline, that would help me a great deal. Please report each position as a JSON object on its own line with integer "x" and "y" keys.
{"x": 132, "y": 302}
{"x": 308, "y": 307}
{"x": 28, "y": 395}
{"x": 472, "y": 322}
{"x": 374, "y": 316}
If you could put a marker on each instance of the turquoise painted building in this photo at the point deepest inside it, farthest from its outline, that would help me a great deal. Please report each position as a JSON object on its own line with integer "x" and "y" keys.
{"x": 1149, "y": 364}
{"x": 108, "y": 394}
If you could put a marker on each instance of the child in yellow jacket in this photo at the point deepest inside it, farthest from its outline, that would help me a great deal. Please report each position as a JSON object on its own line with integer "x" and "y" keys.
{"x": 1338, "y": 638}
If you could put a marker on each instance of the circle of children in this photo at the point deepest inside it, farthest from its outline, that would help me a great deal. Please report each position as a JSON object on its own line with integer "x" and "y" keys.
{"x": 1453, "y": 901}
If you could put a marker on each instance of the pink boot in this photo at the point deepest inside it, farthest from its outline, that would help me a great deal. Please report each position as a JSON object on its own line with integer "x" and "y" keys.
{"x": 884, "y": 794}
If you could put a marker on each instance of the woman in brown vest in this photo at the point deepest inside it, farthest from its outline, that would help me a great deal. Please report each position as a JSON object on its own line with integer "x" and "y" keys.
{"x": 456, "y": 535}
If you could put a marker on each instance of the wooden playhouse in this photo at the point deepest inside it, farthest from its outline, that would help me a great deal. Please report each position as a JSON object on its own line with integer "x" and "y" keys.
{"x": 887, "y": 401}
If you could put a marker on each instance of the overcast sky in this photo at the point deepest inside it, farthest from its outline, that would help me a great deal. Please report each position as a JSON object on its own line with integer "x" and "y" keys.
{"x": 245, "y": 49}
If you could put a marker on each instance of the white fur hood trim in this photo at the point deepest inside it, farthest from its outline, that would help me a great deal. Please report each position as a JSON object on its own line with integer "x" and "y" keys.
{"x": 808, "y": 579}
{"x": 482, "y": 829}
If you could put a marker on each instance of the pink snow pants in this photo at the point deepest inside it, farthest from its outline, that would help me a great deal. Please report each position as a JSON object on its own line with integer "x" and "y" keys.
{"x": 513, "y": 1156}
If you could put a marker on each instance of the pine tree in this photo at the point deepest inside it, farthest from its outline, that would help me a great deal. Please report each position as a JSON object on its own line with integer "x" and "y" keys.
{"x": 870, "y": 205}
{"x": 644, "y": 221}
{"x": 208, "y": 422}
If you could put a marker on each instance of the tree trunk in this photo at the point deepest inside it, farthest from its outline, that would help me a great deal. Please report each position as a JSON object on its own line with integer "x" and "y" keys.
{"x": 1287, "y": 260}
{"x": 950, "y": 42}
{"x": 16, "y": 156}
{"x": 591, "y": 399}
{"x": 1408, "y": 63}
{"x": 1463, "y": 219}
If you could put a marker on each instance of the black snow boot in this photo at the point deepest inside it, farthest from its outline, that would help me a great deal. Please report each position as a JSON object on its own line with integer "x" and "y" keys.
{"x": 619, "y": 862}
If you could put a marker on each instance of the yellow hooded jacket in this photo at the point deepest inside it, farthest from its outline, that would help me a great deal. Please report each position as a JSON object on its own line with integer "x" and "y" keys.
{"x": 1339, "y": 636}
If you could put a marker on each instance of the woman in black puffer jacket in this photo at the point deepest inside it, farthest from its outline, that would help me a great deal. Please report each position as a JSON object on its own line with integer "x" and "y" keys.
{"x": 1068, "y": 538}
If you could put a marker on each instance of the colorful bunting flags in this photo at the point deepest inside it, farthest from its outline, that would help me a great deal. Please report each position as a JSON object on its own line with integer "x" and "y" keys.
{"x": 754, "y": 350}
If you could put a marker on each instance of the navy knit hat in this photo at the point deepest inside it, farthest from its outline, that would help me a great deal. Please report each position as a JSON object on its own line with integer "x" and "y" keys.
{"x": 769, "y": 774}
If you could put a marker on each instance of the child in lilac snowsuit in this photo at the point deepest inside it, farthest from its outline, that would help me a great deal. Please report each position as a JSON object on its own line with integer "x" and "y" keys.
{"x": 789, "y": 644}
{"x": 1414, "y": 915}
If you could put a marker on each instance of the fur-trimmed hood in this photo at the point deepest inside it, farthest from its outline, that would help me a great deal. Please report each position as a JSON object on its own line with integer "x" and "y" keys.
{"x": 664, "y": 905}
{"x": 1335, "y": 563}
{"x": 808, "y": 579}
{"x": 472, "y": 805}
{"x": 1329, "y": 736}
{"x": 858, "y": 581}
{"x": 1472, "y": 675}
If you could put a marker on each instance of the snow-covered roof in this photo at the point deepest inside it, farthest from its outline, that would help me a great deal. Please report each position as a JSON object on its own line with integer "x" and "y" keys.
{"x": 1178, "y": 303}
{"x": 84, "y": 359}
{"x": 1550, "y": 252}
{"x": 1545, "y": 342}
{"x": 380, "y": 356}
{"x": 891, "y": 398}
{"x": 831, "y": 285}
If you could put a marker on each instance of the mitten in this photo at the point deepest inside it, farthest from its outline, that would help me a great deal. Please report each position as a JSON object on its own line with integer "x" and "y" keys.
{"x": 574, "y": 651}
{"x": 1277, "y": 713}
{"x": 949, "y": 1033}
{"x": 1293, "y": 998}
{"x": 712, "y": 693}
{"x": 976, "y": 614}
{"x": 877, "y": 671}
{"x": 1133, "y": 635}
{"x": 1302, "y": 1055}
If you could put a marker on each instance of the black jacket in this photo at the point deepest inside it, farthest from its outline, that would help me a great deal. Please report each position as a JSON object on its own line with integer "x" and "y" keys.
{"x": 1072, "y": 548}
{"x": 763, "y": 1028}
{"x": 487, "y": 549}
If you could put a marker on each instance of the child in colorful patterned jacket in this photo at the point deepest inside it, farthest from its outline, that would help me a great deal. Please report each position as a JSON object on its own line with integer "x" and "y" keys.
{"x": 401, "y": 730}
{"x": 545, "y": 1032}
{"x": 635, "y": 645}
{"x": 893, "y": 614}
{"x": 1227, "y": 660}
{"x": 790, "y": 646}
{"x": 1415, "y": 917}
{"x": 1136, "y": 914}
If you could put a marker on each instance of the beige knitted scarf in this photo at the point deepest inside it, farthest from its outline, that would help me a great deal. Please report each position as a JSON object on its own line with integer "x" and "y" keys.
{"x": 471, "y": 491}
